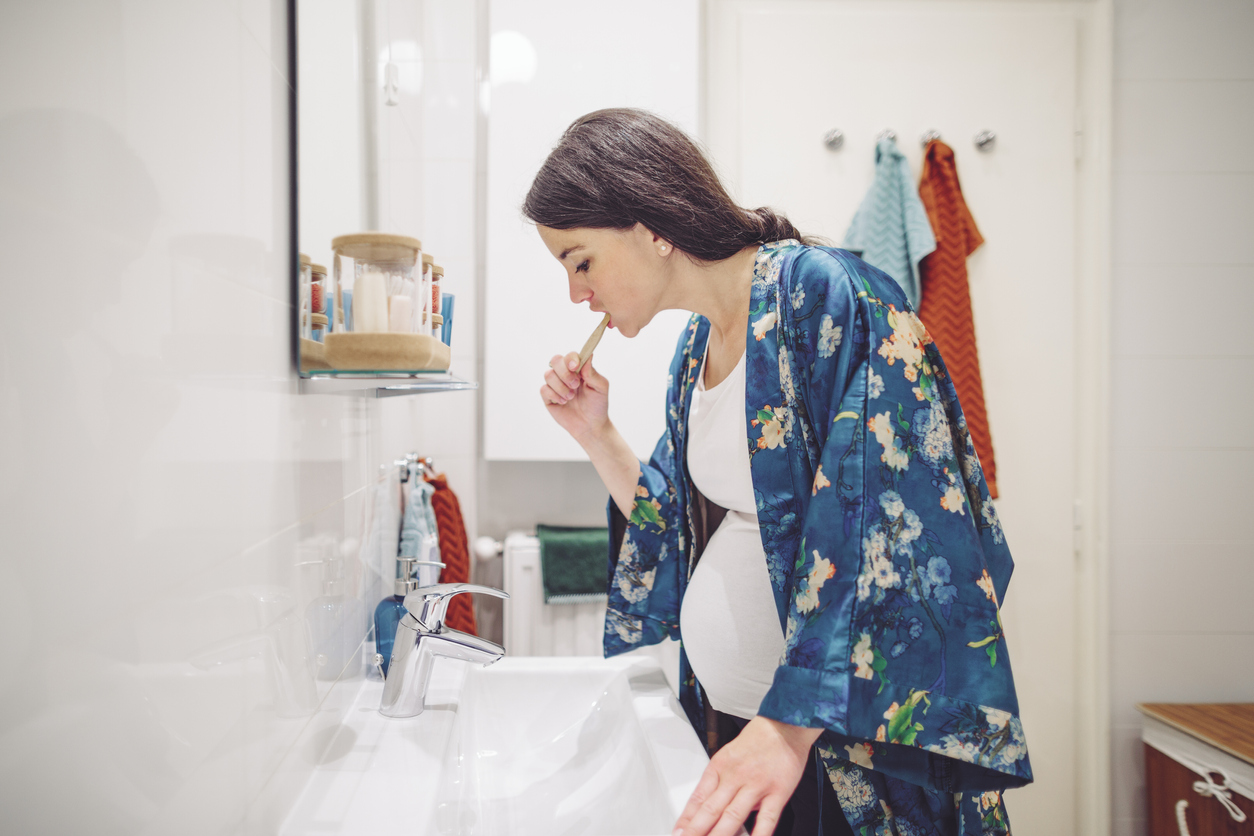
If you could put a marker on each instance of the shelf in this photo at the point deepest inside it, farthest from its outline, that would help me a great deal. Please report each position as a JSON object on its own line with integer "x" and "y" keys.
{"x": 381, "y": 384}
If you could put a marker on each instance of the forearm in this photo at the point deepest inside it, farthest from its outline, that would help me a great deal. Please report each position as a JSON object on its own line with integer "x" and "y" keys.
{"x": 616, "y": 464}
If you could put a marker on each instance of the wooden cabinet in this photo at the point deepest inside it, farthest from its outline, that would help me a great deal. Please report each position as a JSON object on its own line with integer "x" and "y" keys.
{"x": 1183, "y": 741}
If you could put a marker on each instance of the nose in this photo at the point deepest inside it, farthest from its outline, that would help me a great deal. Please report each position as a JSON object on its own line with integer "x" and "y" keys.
{"x": 579, "y": 292}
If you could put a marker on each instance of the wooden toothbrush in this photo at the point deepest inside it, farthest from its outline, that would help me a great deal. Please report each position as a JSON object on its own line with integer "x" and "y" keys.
{"x": 591, "y": 345}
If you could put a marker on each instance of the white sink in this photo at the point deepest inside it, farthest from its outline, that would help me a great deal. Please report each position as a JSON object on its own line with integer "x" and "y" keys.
{"x": 552, "y": 746}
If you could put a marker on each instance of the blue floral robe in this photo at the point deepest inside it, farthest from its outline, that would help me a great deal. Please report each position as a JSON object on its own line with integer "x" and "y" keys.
{"x": 884, "y": 549}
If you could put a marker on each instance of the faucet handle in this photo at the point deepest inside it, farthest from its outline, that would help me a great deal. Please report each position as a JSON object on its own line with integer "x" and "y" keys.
{"x": 429, "y": 603}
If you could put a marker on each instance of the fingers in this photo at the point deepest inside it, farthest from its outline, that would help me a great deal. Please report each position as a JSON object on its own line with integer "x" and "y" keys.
{"x": 735, "y": 813}
{"x": 551, "y": 397}
{"x": 560, "y": 392}
{"x": 768, "y": 816}
{"x": 705, "y": 787}
{"x": 719, "y": 812}
{"x": 567, "y": 368}
{"x": 561, "y": 381}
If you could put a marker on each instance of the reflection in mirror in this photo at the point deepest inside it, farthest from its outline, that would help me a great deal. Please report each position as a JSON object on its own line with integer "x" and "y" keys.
{"x": 371, "y": 301}
{"x": 336, "y": 99}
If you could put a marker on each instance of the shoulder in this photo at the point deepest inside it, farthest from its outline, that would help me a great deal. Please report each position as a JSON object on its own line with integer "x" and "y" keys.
{"x": 848, "y": 282}
{"x": 820, "y": 267}
{"x": 820, "y": 280}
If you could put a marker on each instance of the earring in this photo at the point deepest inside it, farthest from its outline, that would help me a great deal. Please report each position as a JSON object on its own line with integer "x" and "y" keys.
{"x": 663, "y": 249}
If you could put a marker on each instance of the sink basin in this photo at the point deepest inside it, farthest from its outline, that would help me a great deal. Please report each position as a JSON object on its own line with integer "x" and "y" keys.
{"x": 552, "y": 745}
{"x": 555, "y": 746}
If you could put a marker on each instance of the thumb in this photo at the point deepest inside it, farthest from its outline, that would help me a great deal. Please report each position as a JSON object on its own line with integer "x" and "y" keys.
{"x": 592, "y": 377}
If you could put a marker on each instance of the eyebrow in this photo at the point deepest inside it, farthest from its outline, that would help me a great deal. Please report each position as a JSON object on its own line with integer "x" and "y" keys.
{"x": 568, "y": 251}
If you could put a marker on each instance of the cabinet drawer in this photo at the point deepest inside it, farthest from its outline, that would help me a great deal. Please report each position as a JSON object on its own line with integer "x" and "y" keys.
{"x": 1168, "y": 782}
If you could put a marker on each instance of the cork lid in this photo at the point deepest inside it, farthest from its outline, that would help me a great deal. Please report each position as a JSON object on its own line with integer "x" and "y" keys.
{"x": 428, "y": 259}
{"x": 437, "y": 319}
{"x": 318, "y": 319}
{"x": 377, "y": 246}
{"x": 437, "y": 270}
{"x": 305, "y": 260}
{"x": 317, "y": 269}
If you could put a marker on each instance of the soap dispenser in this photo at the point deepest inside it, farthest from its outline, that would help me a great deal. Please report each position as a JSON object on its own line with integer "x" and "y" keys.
{"x": 411, "y": 574}
{"x": 391, "y": 610}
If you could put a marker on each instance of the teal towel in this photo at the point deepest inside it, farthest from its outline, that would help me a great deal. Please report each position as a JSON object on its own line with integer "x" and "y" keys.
{"x": 573, "y": 563}
{"x": 891, "y": 226}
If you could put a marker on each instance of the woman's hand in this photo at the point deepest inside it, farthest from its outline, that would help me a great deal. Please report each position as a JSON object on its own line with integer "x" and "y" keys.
{"x": 577, "y": 400}
{"x": 757, "y": 771}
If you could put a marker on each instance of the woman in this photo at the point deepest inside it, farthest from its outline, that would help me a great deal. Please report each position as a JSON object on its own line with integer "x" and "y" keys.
{"x": 813, "y": 526}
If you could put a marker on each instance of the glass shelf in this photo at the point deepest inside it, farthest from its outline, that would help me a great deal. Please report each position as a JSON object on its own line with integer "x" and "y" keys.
{"x": 381, "y": 384}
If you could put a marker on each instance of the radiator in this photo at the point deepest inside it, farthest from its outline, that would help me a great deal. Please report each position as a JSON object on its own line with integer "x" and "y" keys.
{"x": 534, "y": 628}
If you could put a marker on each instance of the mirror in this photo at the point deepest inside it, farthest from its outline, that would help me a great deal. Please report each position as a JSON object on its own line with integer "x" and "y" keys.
{"x": 335, "y": 141}
{"x": 382, "y": 85}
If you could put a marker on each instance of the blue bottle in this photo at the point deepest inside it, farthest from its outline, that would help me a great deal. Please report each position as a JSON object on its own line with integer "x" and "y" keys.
{"x": 392, "y": 609}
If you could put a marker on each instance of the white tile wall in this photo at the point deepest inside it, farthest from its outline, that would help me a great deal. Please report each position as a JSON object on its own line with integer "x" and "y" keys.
{"x": 1182, "y": 562}
{"x": 169, "y": 504}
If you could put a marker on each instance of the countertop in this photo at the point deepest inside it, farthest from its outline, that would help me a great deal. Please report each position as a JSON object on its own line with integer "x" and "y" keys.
{"x": 1228, "y": 727}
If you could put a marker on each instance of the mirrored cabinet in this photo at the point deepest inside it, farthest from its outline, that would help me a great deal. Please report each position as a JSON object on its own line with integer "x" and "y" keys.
{"x": 373, "y": 311}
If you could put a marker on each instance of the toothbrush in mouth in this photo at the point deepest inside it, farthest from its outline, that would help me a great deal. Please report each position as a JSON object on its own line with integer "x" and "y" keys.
{"x": 591, "y": 345}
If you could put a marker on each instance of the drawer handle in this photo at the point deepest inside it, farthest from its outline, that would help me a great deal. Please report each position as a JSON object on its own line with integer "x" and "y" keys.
{"x": 1220, "y": 792}
{"x": 1183, "y": 823}
{"x": 1207, "y": 788}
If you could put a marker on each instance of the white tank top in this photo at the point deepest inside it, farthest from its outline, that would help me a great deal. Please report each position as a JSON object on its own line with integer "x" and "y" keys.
{"x": 728, "y": 620}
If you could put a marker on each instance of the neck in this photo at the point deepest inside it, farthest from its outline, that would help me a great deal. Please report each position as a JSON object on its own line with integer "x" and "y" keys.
{"x": 719, "y": 291}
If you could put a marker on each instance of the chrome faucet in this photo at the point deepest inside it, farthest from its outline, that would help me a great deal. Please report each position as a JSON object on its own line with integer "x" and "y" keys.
{"x": 420, "y": 637}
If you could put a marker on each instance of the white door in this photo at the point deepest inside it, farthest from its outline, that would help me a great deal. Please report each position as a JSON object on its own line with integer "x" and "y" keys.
{"x": 779, "y": 76}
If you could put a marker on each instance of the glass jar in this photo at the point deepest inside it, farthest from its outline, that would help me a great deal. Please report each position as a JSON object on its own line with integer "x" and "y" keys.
{"x": 380, "y": 294}
{"x": 318, "y": 289}
{"x": 437, "y": 280}
{"x": 303, "y": 296}
{"x": 318, "y": 324}
{"x": 424, "y": 317}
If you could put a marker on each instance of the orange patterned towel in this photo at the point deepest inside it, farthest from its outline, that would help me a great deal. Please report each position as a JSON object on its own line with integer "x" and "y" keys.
{"x": 454, "y": 553}
{"x": 946, "y": 306}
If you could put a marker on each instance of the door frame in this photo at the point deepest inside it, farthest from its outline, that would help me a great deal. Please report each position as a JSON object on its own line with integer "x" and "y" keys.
{"x": 1091, "y": 420}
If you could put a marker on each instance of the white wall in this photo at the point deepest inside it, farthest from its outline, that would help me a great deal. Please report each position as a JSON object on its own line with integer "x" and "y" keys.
{"x": 428, "y": 181}
{"x": 168, "y": 500}
{"x": 1182, "y": 558}
{"x": 546, "y": 72}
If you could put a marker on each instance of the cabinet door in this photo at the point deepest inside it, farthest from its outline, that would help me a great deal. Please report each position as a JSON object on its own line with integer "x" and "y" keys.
{"x": 1167, "y": 783}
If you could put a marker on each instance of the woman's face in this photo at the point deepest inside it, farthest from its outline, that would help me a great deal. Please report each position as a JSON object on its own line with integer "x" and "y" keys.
{"x": 620, "y": 272}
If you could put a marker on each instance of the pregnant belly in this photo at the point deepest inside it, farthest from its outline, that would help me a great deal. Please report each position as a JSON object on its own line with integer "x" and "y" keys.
{"x": 728, "y": 620}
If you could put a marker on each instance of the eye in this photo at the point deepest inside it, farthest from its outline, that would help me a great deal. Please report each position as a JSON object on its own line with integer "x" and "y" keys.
{"x": 583, "y": 267}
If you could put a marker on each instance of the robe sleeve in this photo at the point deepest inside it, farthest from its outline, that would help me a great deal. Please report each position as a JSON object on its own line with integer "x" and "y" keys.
{"x": 644, "y": 565}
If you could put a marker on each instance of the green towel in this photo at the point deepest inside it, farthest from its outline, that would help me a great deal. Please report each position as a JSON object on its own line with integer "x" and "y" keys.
{"x": 573, "y": 563}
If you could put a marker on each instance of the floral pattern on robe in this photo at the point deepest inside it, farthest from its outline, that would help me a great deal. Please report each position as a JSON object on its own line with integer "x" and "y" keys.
{"x": 883, "y": 547}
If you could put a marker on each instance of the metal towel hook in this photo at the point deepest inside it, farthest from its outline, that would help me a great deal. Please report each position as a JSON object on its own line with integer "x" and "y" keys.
{"x": 985, "y": 140}
{"x": 928, "y": 136}
{"x": 887, "y": 133}
{"x": 420, "y": 464}
{"x": 834, "y": 138}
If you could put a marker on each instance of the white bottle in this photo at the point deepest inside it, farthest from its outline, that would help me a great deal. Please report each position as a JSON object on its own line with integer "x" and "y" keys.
{"x": 370, "y": 303}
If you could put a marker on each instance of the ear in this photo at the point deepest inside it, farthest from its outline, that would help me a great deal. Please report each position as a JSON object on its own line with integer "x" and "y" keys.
{"x": 659, "y": 244}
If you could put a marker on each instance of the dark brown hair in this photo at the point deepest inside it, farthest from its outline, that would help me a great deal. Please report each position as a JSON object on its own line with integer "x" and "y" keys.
{"x": 618, "y": 167}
